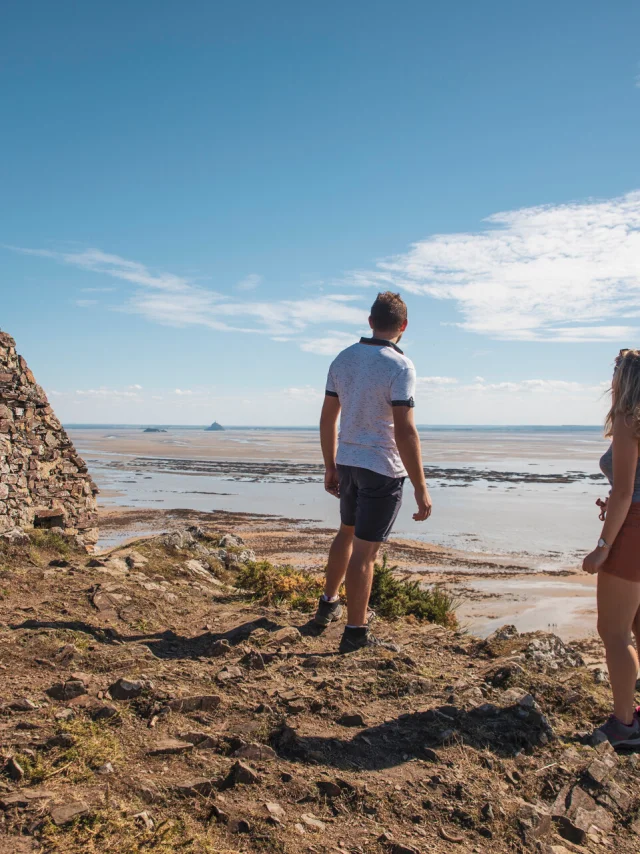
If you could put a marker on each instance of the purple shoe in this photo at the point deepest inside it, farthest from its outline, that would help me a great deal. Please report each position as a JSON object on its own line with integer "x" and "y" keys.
{"x": 619, "y": 734}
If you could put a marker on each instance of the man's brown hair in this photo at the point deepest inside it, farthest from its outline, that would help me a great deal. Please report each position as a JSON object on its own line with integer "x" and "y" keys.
{"x": 388, "y": 312}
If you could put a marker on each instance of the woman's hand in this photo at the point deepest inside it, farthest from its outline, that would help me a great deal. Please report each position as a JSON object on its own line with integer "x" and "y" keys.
{"x": 603, "y": 505}
{"x": 593, "y": 562}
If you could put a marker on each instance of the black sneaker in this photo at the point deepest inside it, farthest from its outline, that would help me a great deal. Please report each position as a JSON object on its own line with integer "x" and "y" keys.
{"x": 361, "y": 638}
{"x": 328, "y": 612}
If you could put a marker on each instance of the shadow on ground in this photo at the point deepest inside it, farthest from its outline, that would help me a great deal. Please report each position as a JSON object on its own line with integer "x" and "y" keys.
{"x": 501, "y": 732}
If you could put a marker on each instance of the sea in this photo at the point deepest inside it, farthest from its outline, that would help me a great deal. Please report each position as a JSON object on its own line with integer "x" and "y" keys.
{"x": 520, "y": 491}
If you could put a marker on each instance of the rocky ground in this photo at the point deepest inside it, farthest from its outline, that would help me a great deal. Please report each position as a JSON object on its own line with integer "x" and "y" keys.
{"x": 149, "y": 704}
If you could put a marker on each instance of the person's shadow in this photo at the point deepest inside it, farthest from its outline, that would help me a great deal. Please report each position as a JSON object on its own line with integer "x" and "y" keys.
{"x": 502, "y": 732}
{"x": 165, "y": 645}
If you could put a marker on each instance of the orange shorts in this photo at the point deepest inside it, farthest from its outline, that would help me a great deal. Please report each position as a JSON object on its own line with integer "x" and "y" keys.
{"x": 624, "y": 557}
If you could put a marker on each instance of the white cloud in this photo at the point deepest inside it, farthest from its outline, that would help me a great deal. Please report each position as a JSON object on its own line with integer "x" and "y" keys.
{"x": 437, "y": 381}
{"x": 565, "y": 272}
{"x": 135, "y": 387}
{"x": 330, "y": 344}
{"x": 85, "y": 303}
{"x": 249, "y": 283}
{"x": 105, "y": 393}
{"x": 306, "y": 393}
{"x": 183, "y": 392}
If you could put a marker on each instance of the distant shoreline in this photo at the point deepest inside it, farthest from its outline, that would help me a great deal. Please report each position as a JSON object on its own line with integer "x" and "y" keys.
{"x": 435, "y": 428}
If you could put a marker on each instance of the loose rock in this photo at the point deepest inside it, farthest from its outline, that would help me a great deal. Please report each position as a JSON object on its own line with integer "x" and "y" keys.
{"x": 68, "y": 812}
{"x": 126, "y": 689}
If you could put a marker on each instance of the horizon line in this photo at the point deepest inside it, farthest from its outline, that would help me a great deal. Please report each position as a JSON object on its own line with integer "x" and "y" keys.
{"x": 167, "y": 426}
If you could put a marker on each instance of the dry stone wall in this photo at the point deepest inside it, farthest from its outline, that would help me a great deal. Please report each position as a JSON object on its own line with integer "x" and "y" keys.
{"x": 43, "y": 481}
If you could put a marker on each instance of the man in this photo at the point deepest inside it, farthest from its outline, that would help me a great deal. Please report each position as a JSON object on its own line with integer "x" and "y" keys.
{"x": 371, "y": 386}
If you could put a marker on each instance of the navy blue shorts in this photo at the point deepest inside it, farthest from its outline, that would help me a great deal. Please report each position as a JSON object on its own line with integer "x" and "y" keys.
{"x": 369, "y": 502}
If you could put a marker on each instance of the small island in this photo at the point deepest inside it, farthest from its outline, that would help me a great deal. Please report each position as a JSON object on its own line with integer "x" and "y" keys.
{"x": 214, "y": 428}
{"x": 155, "y": 430}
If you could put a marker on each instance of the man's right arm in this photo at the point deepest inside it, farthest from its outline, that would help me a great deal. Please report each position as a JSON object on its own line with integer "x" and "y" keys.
{"x": 329, "y": 441}
{"x": 408, "y": 442}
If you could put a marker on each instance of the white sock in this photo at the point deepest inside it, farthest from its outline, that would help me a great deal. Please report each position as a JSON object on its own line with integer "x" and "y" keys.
{"x": 333, "y": 598}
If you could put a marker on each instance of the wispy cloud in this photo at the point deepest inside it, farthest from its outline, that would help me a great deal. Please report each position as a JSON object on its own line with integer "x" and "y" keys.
{"x": 104, "y": 393}
{"x": 182, "y": 392}
{"x": 437, "y": 381}
{"x": 451, "y": 385}
{"x": 328, "y": 345}
{"x": 249, "y": 283}
{"x": 174, "y": 300}
{"x": 85, "y": 303}
{"x": 305, "y": 393}
{"x": 97, "y": 261}
{"x": 565, "y": 272}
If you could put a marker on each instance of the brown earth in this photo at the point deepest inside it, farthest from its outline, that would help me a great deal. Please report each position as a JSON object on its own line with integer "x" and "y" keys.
{"x": 238, "y": 728}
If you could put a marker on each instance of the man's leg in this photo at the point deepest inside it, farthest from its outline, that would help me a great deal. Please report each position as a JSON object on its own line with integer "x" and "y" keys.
{"x": 339, "y": 555}
{"x": 359, "y": 580}
{"x": 379, "y": 499}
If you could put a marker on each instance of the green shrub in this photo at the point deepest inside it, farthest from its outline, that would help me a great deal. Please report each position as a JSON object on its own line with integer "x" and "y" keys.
{"x": 390, "y": 597}
{"x": 277, "y": 584}
{"x": 393, "y": 598}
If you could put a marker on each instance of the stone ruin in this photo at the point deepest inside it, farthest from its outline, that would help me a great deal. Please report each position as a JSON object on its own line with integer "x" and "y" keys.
{"x": 43, "y": 481}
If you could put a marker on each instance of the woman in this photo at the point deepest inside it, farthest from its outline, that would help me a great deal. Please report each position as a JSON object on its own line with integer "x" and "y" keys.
{"x": 616, "y": 558}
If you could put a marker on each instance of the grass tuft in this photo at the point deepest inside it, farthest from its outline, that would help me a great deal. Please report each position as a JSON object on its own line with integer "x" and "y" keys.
{"x": 392, "y": 598}
{"x": 111, "y": 831}
{"x": 50, "y": 541}
{"x": 94, "y": 744}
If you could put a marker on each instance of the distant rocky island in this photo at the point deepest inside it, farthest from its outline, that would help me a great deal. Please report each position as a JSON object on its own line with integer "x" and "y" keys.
{"x": 214, "y": 428}
{"x": 155, "y": 430}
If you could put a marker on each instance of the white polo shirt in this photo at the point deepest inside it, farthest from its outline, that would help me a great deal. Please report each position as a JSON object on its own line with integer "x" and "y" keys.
{"x": 370, "y": 378}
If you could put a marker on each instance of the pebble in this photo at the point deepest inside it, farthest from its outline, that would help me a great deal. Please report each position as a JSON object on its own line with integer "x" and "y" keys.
{"x": 241, "y": 773}
{"x": 66, "y": 690}
{"x": 275, "y": 809}
{"x": 351, "y": 719}
{"x": 107, "y": 768}
{"x": 65, "y": 715}
{"x": 170, "y": 746}
{"x": 312, "y": 822}
{"x": 126, "y": 689}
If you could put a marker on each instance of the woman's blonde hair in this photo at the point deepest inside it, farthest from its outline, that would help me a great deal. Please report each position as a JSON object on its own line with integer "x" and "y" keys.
{"x": 625, "y": 391}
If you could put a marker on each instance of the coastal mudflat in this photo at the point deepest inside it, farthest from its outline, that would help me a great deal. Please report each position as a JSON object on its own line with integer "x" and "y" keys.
{"x": 489, "y": 590}
{"x": 514, "y": 511}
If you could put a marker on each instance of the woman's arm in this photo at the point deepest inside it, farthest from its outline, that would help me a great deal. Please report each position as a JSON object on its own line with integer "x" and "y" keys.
{"x": 625, "y": 461}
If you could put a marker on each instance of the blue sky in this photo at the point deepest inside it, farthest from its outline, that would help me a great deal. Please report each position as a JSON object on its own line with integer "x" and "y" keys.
{"x": 200, "y": 199}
